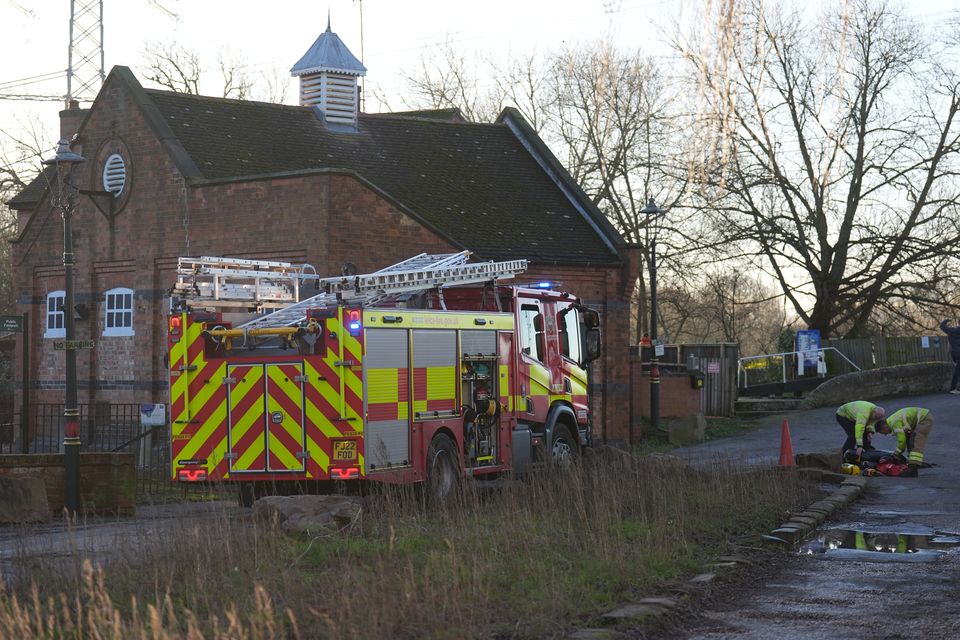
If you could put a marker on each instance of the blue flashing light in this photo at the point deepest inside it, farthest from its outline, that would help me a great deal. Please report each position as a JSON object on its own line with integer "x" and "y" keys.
{"x": 543, "y": 285}
{"x": 353, "y": 322}
{"x": 354, "y": 326}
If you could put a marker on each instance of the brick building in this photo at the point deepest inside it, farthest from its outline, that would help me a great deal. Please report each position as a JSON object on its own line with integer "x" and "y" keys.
{"x": 320, "y": 183}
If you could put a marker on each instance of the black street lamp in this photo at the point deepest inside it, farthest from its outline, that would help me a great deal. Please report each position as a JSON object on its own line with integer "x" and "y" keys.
{"x": 653, "y": 210}
{"x": 64, "y": 198}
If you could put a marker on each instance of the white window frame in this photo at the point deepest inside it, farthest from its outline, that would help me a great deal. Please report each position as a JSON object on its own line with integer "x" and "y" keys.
{"x": 55, "y": 331}
{"x": 115, "y": 307}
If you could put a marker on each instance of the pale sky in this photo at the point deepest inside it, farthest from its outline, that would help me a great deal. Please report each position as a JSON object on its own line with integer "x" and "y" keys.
{"x": 34, "y": 34}
{"x": 34, "y": 37}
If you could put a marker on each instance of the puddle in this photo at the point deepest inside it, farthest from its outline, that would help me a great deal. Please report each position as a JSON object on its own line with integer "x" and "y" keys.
{"x": 872, "y": 546}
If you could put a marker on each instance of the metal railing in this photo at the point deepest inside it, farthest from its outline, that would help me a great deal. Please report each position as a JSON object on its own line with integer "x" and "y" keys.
{"x": 786, "y": 367}
{"x": 104, "y": 427}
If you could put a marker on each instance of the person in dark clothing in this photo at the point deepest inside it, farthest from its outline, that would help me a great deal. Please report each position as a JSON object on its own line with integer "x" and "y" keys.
{"x": 953, "y": 336}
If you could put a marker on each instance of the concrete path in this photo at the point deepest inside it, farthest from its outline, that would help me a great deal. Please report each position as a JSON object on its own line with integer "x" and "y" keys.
{"x": 855, "y": 595}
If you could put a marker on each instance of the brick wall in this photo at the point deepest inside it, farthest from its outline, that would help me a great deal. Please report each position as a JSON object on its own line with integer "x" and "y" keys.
{"x": 678, "y": 398}
{"x": 107, "y": 480}
{"x": 325, "y": 220}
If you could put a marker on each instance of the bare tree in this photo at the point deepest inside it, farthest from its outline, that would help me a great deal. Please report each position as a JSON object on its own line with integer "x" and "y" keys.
{"x": 180, "y": 69}
{"x": 834, "y": 157}
{"x": 20, "y": 155}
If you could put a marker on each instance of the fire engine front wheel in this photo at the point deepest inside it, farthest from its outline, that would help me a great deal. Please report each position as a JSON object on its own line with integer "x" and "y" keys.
{"x": 564, "y": 452}
{"x": 443, "y": 471}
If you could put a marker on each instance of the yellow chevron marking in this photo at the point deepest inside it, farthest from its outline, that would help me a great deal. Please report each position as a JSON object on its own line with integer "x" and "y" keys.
{"x": 205, "y": 432}
{"x": 249, "y": 455}
{"x": 318, "y": 454}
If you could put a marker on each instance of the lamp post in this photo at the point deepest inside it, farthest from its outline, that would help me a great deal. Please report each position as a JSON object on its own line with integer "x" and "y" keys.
{"x": 65, "y": 199}
{"x": 653, "y": 210}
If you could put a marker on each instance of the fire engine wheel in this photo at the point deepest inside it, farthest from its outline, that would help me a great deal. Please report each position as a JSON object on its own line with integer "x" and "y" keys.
{"x": 564, "y": 452}
{"x": 443, "y": 471}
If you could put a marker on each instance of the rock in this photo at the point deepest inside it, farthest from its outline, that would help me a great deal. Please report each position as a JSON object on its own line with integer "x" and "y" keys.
{"x": 703, "y": 578}
{"x": 23, "y": 499}
{"x": 635, "y": 611}
{"x": 667, "y": 603}
{"x": 687, "y": 430}
{"x": 307, "y": 514}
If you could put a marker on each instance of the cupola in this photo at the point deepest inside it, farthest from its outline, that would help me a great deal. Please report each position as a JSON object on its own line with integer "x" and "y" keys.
{"x": 328, "y": 75}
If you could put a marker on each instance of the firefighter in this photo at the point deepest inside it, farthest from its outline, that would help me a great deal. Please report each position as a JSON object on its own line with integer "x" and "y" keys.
{"x": 859, "y": 419}
{"x": 912, "y": 426}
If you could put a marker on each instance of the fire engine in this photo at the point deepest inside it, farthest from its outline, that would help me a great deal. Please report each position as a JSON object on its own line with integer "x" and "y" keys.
{"x": 427, "y": 371}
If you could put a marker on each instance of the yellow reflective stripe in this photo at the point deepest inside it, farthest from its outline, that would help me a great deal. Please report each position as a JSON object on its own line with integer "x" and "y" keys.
{"x": 403, "y": 410}
{"x": 289, "y": 460}
{"x": 249, "y": 455}
{"x": 382, "y": 386}
{"x": 318, "y": 455}
{"x": 205, "y": 432}
{"x": 441, "y": 383}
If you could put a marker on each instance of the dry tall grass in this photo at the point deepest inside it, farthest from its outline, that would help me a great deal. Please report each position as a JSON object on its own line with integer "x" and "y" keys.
{"x": 530, "y": 560}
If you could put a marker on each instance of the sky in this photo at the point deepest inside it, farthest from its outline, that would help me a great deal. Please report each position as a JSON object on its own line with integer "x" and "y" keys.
{"x": 34, "y": 35}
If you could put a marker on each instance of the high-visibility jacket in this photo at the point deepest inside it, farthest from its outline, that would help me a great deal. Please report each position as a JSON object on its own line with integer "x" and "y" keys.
{"x": 861, "y": 412}
{"x": 906, "y": 422}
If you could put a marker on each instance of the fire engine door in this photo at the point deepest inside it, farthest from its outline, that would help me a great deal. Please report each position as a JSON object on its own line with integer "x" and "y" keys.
{"x": 266, "y": 417}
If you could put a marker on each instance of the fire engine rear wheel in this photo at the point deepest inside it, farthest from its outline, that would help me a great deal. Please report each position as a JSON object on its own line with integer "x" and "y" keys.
{"x": 564, "y": 452}
{"x": 443, "y": 470}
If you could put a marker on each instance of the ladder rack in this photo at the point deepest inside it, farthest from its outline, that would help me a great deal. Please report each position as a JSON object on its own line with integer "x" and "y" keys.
{"x": 264, "y": 284}
{"x": 241, "y": 282}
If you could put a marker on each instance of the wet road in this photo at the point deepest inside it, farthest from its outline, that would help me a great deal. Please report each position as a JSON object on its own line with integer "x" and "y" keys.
{"x": 855, "y": 593}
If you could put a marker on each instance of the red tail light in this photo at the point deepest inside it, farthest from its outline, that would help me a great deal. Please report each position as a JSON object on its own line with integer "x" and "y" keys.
{"x": 192, "y": 475}
{"x": 174, "y": 325}
{"x": 345, "y": 473}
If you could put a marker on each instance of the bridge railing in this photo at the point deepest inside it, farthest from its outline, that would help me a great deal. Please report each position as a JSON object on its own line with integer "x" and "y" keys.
{"x": 792, "y": 366}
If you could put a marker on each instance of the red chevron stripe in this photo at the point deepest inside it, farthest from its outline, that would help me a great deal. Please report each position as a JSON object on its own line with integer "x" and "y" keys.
{"x": 195, "y": 348}
{"x": 177, "y": 406}
{"x": 249, "y": 438}
{"x": 315, "y": 398}
{"x": 280, "y": 436}
{"x": 216, "y": 438}
{"x": 211, "y": 405}
{"x": 354, "y": 401}
{"x": 201, "y": 377}
{"x": 219, "y": 472}
{"x": 327, "y": 372}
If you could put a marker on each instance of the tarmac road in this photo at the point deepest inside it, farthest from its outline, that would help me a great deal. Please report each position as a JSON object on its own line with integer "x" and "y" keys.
{"x": 855, "y": 594}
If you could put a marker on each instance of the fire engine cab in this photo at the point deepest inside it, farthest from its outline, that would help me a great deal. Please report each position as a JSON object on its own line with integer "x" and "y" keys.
{"x": 426, "y": 371}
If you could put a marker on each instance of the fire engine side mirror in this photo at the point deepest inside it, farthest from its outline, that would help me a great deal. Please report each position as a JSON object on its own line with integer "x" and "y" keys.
{"x": 591, "y": 345}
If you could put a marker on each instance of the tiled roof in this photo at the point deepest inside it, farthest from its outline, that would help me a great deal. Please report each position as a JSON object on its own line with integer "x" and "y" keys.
{"x": 475, "y": 183}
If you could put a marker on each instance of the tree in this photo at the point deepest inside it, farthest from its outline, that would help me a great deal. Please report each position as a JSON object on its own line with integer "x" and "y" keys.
{"x": 180, "y": 69}
{"x": 19, "y": 164}
{"x": 833, "y": 160}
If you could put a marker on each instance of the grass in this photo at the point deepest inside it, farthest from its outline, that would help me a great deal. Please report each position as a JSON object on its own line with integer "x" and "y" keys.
{"x": 532, "y": 560}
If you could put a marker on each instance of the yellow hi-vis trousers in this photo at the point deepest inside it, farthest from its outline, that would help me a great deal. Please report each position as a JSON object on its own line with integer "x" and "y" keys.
{"x": 921, "y": 433}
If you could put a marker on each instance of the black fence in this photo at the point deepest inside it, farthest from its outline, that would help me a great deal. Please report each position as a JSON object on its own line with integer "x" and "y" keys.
{"x": 106, "y": 427}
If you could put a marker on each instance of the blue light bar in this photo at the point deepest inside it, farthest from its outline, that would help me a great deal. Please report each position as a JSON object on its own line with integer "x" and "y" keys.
{"x": 543, "y": 285}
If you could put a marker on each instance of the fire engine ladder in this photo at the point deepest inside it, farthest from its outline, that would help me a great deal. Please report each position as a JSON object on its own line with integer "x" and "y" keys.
{"x": 240, "y": 281}
{"x": 419, "y": 273}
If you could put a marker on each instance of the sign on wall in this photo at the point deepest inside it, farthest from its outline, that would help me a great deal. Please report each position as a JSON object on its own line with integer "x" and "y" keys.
{"x": 11, "y": 324}
{"x": 808, "y": 346}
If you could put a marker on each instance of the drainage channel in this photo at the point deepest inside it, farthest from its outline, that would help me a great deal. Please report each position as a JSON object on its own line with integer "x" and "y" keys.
{"x": 878, "y": 546}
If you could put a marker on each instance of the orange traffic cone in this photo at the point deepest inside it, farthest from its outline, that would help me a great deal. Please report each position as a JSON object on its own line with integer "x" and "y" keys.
{"x": 786, "y": 446}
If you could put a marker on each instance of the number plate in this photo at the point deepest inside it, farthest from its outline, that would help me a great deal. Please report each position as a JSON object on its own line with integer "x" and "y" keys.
{"x": 345, "y": 450}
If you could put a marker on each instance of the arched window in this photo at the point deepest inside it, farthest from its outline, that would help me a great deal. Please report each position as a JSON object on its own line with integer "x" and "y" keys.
{"x": 56, "y": 321}
{"x": 118, "y": 312}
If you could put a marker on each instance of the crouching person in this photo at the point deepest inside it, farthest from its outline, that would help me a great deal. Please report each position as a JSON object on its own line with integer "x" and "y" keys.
{"x": 911, "y": 426}
{"x": 859, "y": 420}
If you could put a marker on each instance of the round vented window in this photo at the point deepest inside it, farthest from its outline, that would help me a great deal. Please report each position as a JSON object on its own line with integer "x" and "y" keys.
{"x": 114, "y": 175}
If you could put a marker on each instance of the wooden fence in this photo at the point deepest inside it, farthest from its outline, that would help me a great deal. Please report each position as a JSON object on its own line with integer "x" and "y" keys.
{"x": 874, "y": 353}
{"x": 717, "y": 361}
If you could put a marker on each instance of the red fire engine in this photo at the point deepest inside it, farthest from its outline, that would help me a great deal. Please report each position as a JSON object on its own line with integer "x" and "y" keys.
{"x": 427, "y": 371}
